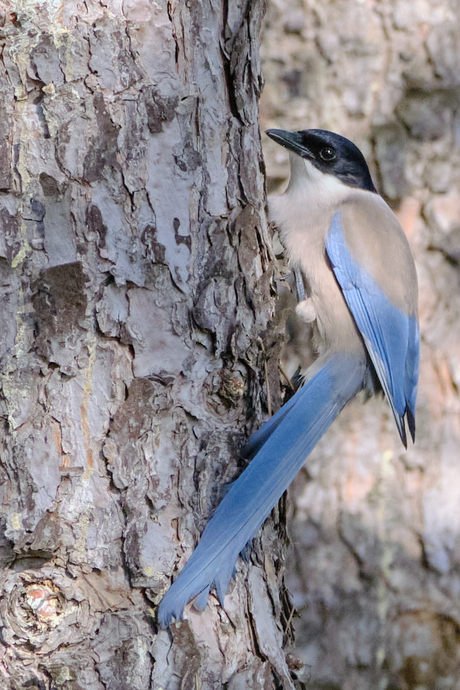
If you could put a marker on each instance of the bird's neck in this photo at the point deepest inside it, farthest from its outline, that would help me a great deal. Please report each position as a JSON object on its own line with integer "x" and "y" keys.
{"x": 303, "y": 214}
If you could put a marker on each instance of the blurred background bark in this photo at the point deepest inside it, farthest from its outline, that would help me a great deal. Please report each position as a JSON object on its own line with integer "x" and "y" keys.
{"x": 374, "y": 566}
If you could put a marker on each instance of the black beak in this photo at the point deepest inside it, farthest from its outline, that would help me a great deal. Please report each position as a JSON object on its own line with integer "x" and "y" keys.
{"x": 290, "y": 140}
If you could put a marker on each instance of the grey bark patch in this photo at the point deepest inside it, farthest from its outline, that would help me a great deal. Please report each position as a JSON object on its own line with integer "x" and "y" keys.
{"x": 112, "y": 310}
{"x": 45, "y": 58}
{"x": 103, "y": 149}
{"x": 156, "y": 250}
{"x": 111, "y": 57}
{"x": 123, "y": 647}
{"x": 9, "y": 226}
{"x": 158, "y": 349}
{"x": 170, "y": 196}
{"x": 60, "y": 304}
{"x": 215, "y": 311}
{"x": 74, "y": 149}
{"x": 6, "y": 177}
{"x": 50, "y": 186}
{"x": 59, "y": 239}
{"x": 96, "y": 224}
{"x": 160, "y": 109}
{"x": 117, "y": 241}
{"x": 9, "y": 288}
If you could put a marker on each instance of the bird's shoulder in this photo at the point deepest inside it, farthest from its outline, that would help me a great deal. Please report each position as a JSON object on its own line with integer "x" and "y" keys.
{"x": 378, "y": 244}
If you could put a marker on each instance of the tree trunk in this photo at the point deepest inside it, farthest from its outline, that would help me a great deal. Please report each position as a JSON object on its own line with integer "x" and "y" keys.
{"x": 137, "y": 346}
{"x": 375, "y": 560}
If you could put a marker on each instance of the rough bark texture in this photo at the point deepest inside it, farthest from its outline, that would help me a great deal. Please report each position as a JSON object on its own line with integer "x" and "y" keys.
{"x": 136, "y": 276}
{"x": 374, "y": 567}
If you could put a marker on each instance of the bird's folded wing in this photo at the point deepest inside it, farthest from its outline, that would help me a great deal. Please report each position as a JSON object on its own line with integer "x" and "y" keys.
{"x": 387, "y": 321}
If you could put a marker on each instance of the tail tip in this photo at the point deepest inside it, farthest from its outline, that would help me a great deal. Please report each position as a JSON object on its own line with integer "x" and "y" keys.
{"x": 167, "y": 613}
{"x": 401, "y": 424}
{"x": 411, "y": 423}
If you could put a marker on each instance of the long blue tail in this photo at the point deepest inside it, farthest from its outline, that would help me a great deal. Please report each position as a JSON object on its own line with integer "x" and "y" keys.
{"x": 283, "y": 444}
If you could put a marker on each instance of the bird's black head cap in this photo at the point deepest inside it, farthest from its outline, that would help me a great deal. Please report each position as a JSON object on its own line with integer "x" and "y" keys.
{"x": 328, "y": 152}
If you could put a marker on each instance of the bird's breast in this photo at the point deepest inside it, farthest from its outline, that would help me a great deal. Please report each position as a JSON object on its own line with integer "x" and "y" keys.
{"x": 303, "y": 230}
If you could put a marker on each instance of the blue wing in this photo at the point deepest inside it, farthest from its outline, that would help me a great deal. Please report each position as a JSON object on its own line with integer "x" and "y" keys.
{"x": 390, "y": 335}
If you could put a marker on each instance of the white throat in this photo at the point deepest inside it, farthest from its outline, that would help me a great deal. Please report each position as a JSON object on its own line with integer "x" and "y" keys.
{"x": 303, "y": 214}
{"x": 319, "y": 188}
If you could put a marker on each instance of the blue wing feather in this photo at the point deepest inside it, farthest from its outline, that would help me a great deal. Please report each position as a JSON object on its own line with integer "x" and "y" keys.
{"x": 257, "y": 440}
{"x": 391, "y": 336}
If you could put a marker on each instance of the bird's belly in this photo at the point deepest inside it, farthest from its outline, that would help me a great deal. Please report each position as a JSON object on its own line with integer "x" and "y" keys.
{"x": 335, "y": 323}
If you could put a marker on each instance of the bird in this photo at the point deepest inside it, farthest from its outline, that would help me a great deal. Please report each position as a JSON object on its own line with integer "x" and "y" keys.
{"x": 356, "y": 280}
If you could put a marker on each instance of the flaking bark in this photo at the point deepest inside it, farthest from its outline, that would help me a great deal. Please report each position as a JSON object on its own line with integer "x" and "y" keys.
{"x": 136, "y": 278}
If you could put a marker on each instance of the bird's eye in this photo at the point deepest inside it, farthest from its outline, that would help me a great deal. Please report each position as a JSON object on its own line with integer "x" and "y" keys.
{"x": 327, "y": 154}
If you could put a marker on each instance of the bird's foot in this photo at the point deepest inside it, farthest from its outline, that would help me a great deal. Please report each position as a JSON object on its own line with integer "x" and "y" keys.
{"x": 306, "y": 310}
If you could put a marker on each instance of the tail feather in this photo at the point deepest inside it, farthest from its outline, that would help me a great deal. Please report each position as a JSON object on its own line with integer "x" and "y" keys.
{"x": 257, "y": 440}
{"x": 281, "y": 453}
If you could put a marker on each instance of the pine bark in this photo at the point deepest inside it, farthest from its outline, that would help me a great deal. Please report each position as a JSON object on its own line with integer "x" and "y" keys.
{"x": 137, "y": 342}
